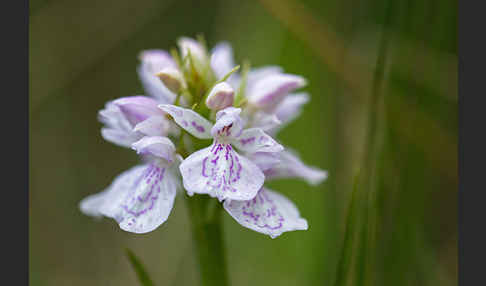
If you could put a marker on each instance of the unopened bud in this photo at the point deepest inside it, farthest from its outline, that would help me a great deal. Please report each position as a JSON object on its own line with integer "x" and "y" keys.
{"x": 220, "y": 97}
{"x": 172, "y": 79}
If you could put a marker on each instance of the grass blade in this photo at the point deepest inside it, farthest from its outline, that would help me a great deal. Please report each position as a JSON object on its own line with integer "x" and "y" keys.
{"x": 142, "y": 274}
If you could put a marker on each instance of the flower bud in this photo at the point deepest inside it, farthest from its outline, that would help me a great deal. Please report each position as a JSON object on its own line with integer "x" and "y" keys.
{"x": 172, "y": 79}
{"x": 220, "y": 97}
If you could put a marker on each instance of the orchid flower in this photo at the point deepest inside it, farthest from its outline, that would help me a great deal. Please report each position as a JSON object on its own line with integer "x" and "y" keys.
{"x": 218, "y": 170}
{"x": 128, "y": 119}
{"x": 232, "y": 168}
{"x": 141, "y": 198}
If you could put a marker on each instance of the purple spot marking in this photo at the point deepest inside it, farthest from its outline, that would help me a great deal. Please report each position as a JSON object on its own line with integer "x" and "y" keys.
{"x": 221, "y": 177}
{"x": 246, "y": 141}
{"x": 199, "y": 128}
{"x": 151, "y": 196}
{"x": 263, "y": 139}
{"x": 263, "y": 212}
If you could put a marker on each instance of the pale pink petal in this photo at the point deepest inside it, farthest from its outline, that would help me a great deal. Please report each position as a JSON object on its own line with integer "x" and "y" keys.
{"x": 117, "y": 129}
{"x": 139, "y": 199}
{"x": 257, "y": 74}
{"x": 154, "y": 126}
{"x": 265, "y": 121}
{"x": 138, "y": 108}
{"x": 269, "y": 213}
{"x": 221, "y": 172}
{"x": 291, "y": 166}
{"x": 264, "y": 160}
{"x": 157, "y": 146}
{"x": 152, "y": 62}
{"x": 289, "y": 109}
{"x": 268, "y": 92}
{"x": 189, "y": 120}
{"x": 222, "y": 59}
{"x": 255, "y": 140}
{"x": 197, "y": 50}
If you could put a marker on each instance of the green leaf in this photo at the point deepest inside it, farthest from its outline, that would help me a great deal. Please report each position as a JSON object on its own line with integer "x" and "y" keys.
{"x": 142, "y": 274}
{"x": 342, "y": 270}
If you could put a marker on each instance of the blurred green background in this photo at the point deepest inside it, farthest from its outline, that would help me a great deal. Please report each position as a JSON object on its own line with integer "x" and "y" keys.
{"x": 84, "y": 53}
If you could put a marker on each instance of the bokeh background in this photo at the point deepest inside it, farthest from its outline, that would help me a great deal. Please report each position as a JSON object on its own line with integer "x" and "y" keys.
{"x": 402, "y": 53}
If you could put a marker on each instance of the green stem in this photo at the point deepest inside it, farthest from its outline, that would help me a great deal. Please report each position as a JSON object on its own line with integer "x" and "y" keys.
{"x": 207, "y": 236}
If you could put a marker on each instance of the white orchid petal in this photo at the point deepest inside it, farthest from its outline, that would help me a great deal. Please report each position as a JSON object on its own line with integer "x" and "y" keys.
{"x": 255, "y": 140}
{"x": 189, "y": 120}
{"x": 153, "y": 61}
{"x": 265, "y": 121}
{"x": 264, "y": 160}
{"x": 91, "y": 204}
{"x": 94, "y": 205}
{"x": 150, "y": 203}
{"x": 222, "y": 59}
{"x": 221, "y": 172}
{"x": 197, "y": 51}
{"x": 157, "y": 146}
{"x": 153, "y": 126}
{"x": 291, "y": 166}
{"x": 269, "y": 213}
{"x": 139, "y": 199}
{"x": 289, "y": 109}
{"x": 138, "y": 108}
{"x": 268, "y": 92}
{"x": 117, "y": 129}
{"x": 257, "y": 74}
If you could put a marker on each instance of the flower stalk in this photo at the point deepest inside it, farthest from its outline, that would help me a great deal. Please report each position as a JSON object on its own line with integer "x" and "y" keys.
{"x": 207, "y": 235}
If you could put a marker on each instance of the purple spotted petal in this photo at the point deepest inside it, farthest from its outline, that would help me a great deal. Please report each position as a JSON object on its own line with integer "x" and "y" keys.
{"x": 117, "y": 129}
{"x": 269, "y": 213}
{"x": 152, "y": 62}
{"x": 291, "y": 106}
{"x": 265, "y": 121}
{"x": 157, "y": 146}
{"x": 222, "y": 61}
{"x": 257, "y": 74}
{"x": 139, "y": 199}
{"x": 228, "y": 123}
{"x": 268, "y": 92}
{"x": 264, "y": 160}
{"x": 289, "y": 109}
{"x": 291, "y": 166}
{"x": 221, "y": 172}
{"x": 154, "y": 126}
{"x": 255, "y": 140}
{"x": 189, "y": 120}
{"x": 138, "y": 108}
{"x": 93, "y": 205}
